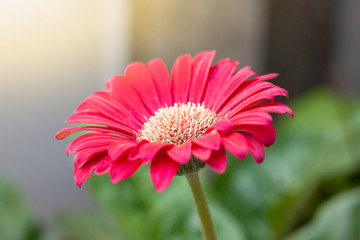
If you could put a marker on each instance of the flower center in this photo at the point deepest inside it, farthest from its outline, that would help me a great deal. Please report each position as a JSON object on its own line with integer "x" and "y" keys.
{"x": 178, "y": 123}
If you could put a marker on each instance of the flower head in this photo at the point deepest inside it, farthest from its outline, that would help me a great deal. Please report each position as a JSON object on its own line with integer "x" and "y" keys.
{"x": 145, "y": 117}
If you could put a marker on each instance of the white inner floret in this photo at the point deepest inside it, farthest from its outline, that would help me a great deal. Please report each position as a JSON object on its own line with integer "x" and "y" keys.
{"x": 178, "y": 123}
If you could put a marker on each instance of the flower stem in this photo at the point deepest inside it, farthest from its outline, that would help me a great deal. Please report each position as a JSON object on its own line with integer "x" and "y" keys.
{"x": 202, "y": 208}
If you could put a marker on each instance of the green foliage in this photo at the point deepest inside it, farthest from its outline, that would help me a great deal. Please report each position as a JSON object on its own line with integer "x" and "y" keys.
{"x": 338, "y": 218}
{"x": 142, "y": 213}
{"x": 15, "y": 221}
{"x": 82, "y": 226}
{"x": 308, "y": 188}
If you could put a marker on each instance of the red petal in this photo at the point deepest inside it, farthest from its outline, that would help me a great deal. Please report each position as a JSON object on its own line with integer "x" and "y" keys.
{"x": 107, "y": 106}
{"x": 268, "y": 94}
{"x": 181, "y": 153}
{"x": 211, "y": 140}
{"x": 222, "y": 126}
{"x": 97, "y": 118}
{"x": 146, "y": 151}
{"x": 236, "y": 144}
{"x": 219, "y": 75}
{"x": 217, "y": 160}
{"x": 135, "y": 151}
{"x": 201, "y": 64}
{"x": 162, "y": 171}
{"x": 180, "y": 78}
{"x": 91, "y": 140}
{"x": 232, "y": 85}
{"x": 103, "y": 166}
{"x": 149, "y": 150}
{"x": 121, "y": 90}
{"x": 65, "y": 132}
{"x": 273, "y": 107}
{"x": 201, "y": 153}
{"x": 81, "y": 173}
{"x": 256, "y": 149}
{"x": 251, "y": 118}
{"x": 247, "y": 91}
{"x": 123, "y": 168}
{"x": 143, "y": 85}
{"x": 84, "y": 156}
{"x": 264, "y": 134}
{"x": 160, "y": 77}
{"x": 268, "y": 76}
{"x": 84, "y": 107}
{"x": 119, "y": 148}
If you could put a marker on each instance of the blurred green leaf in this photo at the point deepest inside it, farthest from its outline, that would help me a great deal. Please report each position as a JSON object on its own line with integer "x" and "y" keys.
{"x": 142, "y": 213}
{"x": 336, "y": 219}
{"x": 82, "y": 226}
{"x": 15, "y": 219}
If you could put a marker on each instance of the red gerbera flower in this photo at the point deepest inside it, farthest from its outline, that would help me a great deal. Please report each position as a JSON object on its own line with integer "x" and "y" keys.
{"x": 176, "y": 125}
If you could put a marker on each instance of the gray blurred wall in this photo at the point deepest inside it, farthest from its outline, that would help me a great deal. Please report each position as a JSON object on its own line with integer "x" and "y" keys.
{"x": 167, "y": 29}
{"x": 53, "y": 54}
{"x": 347, "y": 44}
{"x": 314, "y": 43}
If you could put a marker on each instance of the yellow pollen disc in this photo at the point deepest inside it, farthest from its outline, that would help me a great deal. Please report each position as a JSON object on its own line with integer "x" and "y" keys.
{"x": 178, "y": 123}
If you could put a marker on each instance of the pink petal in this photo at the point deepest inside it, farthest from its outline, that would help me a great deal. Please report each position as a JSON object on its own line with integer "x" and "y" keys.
{"x": 103, "y": 166}
{"x": 218, "y": 76}
{"x": 160, "y": 77}
{"x": 120, "y": 88}
{"x": 143, "y": 85}
{"x": 97, "y": 118}
{"x": 273, "y": 107}
{"x": 201, "y": 64}
{"x": 232, "y": 85}
{"x": 162, "y": 171}
{"x": 84, "y": 107}
{"x": 222, "y": 126}
{"x": 251, "y": 118}
{"x": 264, "y": 134}
{"x": 268, "y": 94}
{"x": 180, "y": 78}
{"x": 118, "y": 148}
{"x": 146, "y": 151}
{"x": 91, "y": 140}
{"x": 181, "y": 153}
{"x": 107, "y": 106}
{"x": 211, "y": 140}
{"x": 201, "y": 153}
{"x": 149, "y": 150}
{"x": 265, "y": 77}
{"x": 65, "y": 132}
{"x": 256, "y": 149}
{"x": 135, "y": 151}
{"x": 236, "y": 144}
{"x": 84, "y": 156}
{"x": 217, "y": 160}
{"x": 81, "y": 173}
{"x": 247, "y": 91}
{"x": 123, "y": 168}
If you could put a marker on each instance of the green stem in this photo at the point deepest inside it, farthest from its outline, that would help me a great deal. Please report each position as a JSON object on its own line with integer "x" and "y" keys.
{"x": 202, "y": 208}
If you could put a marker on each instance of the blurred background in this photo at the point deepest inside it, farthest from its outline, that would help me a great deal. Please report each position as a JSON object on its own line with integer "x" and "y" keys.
{"x": 53, "y": 54}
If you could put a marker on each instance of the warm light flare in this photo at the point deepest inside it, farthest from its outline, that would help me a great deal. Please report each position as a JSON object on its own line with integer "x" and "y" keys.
{"x": 39, "y": 37}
